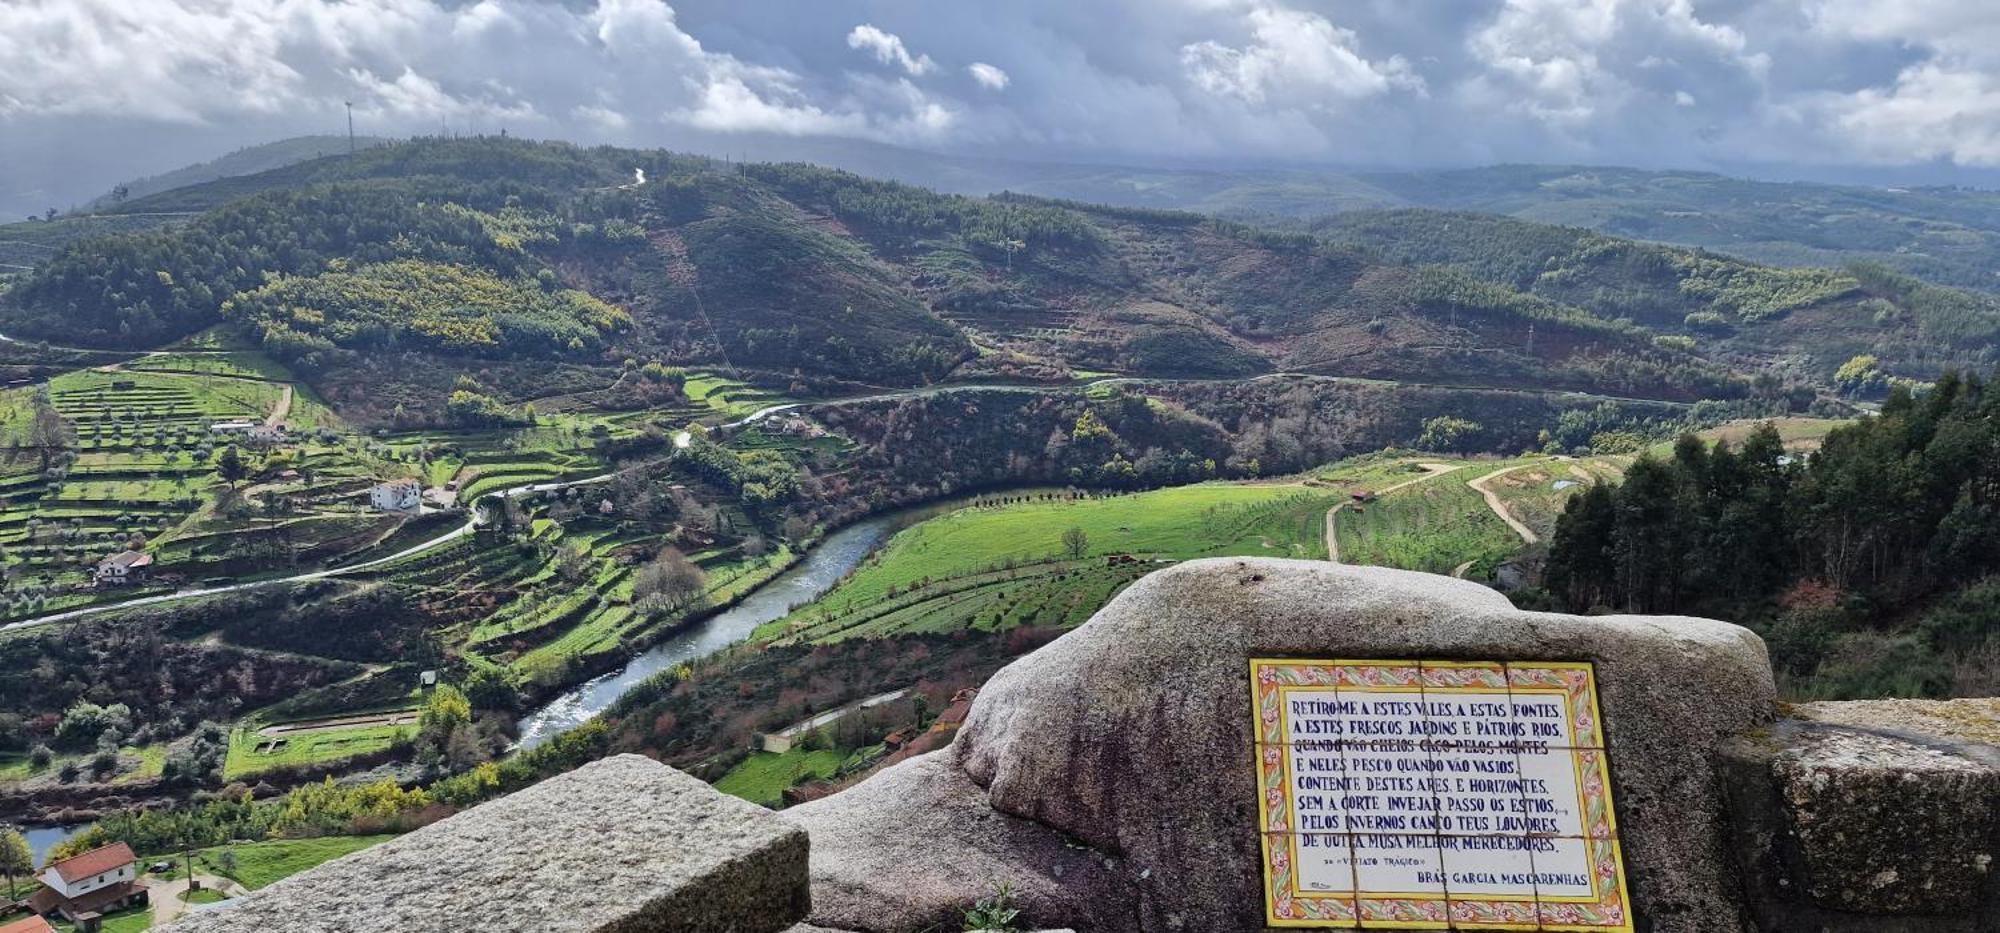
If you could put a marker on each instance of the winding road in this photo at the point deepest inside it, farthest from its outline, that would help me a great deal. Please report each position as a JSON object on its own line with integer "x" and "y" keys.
{"x": 1499, "y": 508}
{"x": 1431, "y": 470}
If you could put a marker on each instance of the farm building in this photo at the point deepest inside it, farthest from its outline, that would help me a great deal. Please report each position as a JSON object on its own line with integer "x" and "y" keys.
{"x": 954, "y": 715}
{"x": 233, "y": 427}
{"x": 33, "y": 924}
{"x": 83, "y": 887}
{"x": 397, "y": 495}
{"x": 122, "y": 568}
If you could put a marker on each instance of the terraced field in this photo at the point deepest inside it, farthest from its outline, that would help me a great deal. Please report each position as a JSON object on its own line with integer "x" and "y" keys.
{"x": 251, "y": 753}
{"x": 727, "y": 397}
{"x": 1438, "y": 526}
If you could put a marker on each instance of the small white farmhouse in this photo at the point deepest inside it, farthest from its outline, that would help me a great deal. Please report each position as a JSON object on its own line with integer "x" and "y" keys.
{"x": 122, "y": 568}
{"x": 99, "y": 881}
{"x": 397, "y": 495}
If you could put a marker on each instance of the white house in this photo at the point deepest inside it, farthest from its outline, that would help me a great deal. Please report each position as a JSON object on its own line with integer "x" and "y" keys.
{"x": 397, "y": 495}
{"x": 122, "y": 568}
{"x": 101, "y": 880}
{"x": 234, "y": 427}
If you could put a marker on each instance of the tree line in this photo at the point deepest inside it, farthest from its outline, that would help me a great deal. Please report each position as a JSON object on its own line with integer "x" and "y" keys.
{"x": 1861, "y": 552}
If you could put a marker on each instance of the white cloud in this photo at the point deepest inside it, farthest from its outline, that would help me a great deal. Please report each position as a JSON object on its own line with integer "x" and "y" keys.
{"x": 1562, "y": 62}
{"x": 1935, "y": 110}
{"x": 409, "y": 65}
{"x": 1690, "y": 82}
{"x": 888, "y": 49}
{"x": 1292, "y": 57}
{"x": 989, "y": 77}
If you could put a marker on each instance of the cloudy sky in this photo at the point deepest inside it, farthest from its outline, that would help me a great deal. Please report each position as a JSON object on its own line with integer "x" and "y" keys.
{"x": 96, "y": 90}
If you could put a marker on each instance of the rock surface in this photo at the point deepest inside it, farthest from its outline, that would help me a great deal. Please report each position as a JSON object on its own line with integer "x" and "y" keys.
{"x": 1970, "y": 720}
{"x": 622, "y": 845}
{"x": 1134, "y": 732}
{"x": 913, "y": 846}
{"x": 1846, "y": 828}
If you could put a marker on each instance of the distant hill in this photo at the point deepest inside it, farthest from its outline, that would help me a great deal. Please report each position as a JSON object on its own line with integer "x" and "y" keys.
{"x": 814, "y": 274}
{"x": 23, "y": 244}
{"x": 246, "y": 161}
{"x": 1947, "y": 236}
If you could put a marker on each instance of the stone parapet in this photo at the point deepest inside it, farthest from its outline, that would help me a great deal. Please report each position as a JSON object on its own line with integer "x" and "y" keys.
{"x": 1880, "y": 816}
{"x": 622, "y": 845}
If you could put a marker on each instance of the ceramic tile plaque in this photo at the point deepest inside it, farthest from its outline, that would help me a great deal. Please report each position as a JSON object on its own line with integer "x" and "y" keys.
{"x": 1461, "y": 795}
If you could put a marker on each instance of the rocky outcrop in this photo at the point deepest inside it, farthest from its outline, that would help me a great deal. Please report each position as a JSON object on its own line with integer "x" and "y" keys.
{"x": 622, "y": 845}
{"x": 913, "y": 846}
{"x": 1133, "y": 736}
{"x": 1109, "y": 782}
{"x": 1878, "y": 816}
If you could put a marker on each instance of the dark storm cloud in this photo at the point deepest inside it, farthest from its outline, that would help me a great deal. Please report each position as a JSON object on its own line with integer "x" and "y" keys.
{"x": 1654, "y": 82}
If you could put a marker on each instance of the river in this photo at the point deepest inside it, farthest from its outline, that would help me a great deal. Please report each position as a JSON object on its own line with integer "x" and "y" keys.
{"x": 841, "y": 552}
{"x": 43, "y": 838}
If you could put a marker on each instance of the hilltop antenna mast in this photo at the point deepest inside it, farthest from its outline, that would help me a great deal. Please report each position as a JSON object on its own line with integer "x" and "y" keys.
{"x": 350, "y": 126}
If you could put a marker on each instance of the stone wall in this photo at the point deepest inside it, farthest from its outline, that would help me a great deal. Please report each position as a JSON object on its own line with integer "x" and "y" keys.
{"x": 1108, "y": 780}
{"x": 623, "y": 845}
{"x": 1870, "y": 817}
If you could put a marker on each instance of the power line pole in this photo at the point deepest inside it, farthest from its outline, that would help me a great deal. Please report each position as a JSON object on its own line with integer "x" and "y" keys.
{"x": 350, "y": 126}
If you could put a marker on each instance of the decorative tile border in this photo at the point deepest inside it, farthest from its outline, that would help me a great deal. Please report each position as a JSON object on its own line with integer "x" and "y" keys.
{"x": 1406, "y": 794}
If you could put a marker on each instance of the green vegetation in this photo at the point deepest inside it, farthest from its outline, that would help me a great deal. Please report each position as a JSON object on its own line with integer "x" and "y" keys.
{"x": 258, "y": 864}
{"x": 1435, "y": 526}
{"x": 1864, "y": 564}
{"x": 251, "y": 752}
{"x": 498, "y": 247}
{"x": 410, "y": 302}
{"x": 727, "y": 397}
{"x": 1048, "y": 559}
{"x": 129, "y": 920}
{"x": 1205, "y": 520}
{"x": 763, "y": 777}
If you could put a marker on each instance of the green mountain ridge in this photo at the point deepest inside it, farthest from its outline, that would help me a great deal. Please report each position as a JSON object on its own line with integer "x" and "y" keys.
{"x": 822, "y": 274}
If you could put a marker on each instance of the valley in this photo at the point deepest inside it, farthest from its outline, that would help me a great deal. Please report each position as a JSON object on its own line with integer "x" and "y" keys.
{"x": 378, "y": 485}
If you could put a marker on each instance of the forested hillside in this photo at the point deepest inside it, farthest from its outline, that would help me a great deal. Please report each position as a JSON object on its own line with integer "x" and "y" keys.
{"x": 493, "y": 248}
{"x": 1949, "y": 236}
{"x": 1868, "y": 565}
{"x": 1796, "y": 316}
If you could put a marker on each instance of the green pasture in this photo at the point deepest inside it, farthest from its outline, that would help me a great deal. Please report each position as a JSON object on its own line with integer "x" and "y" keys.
{"x": 305, "y": 749}
{"x": 258, "y": 864}
{"x": 763, "y": 777}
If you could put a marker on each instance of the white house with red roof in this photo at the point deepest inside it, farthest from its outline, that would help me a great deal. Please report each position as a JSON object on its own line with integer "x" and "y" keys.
{"x": 83, "y": 887}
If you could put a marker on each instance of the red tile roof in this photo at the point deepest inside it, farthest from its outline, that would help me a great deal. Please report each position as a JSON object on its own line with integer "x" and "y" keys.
{"x": 48, "y": 901}
{"x": 30, "y": 925}
{"x": 94, "y": 862}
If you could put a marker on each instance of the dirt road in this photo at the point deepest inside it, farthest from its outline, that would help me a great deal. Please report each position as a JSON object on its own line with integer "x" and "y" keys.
{"x": 280, "y": 410}
{"x": 167, "y": 894}
{"x": 1499, "y": 508}
{"x": 1332, "y": 535}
